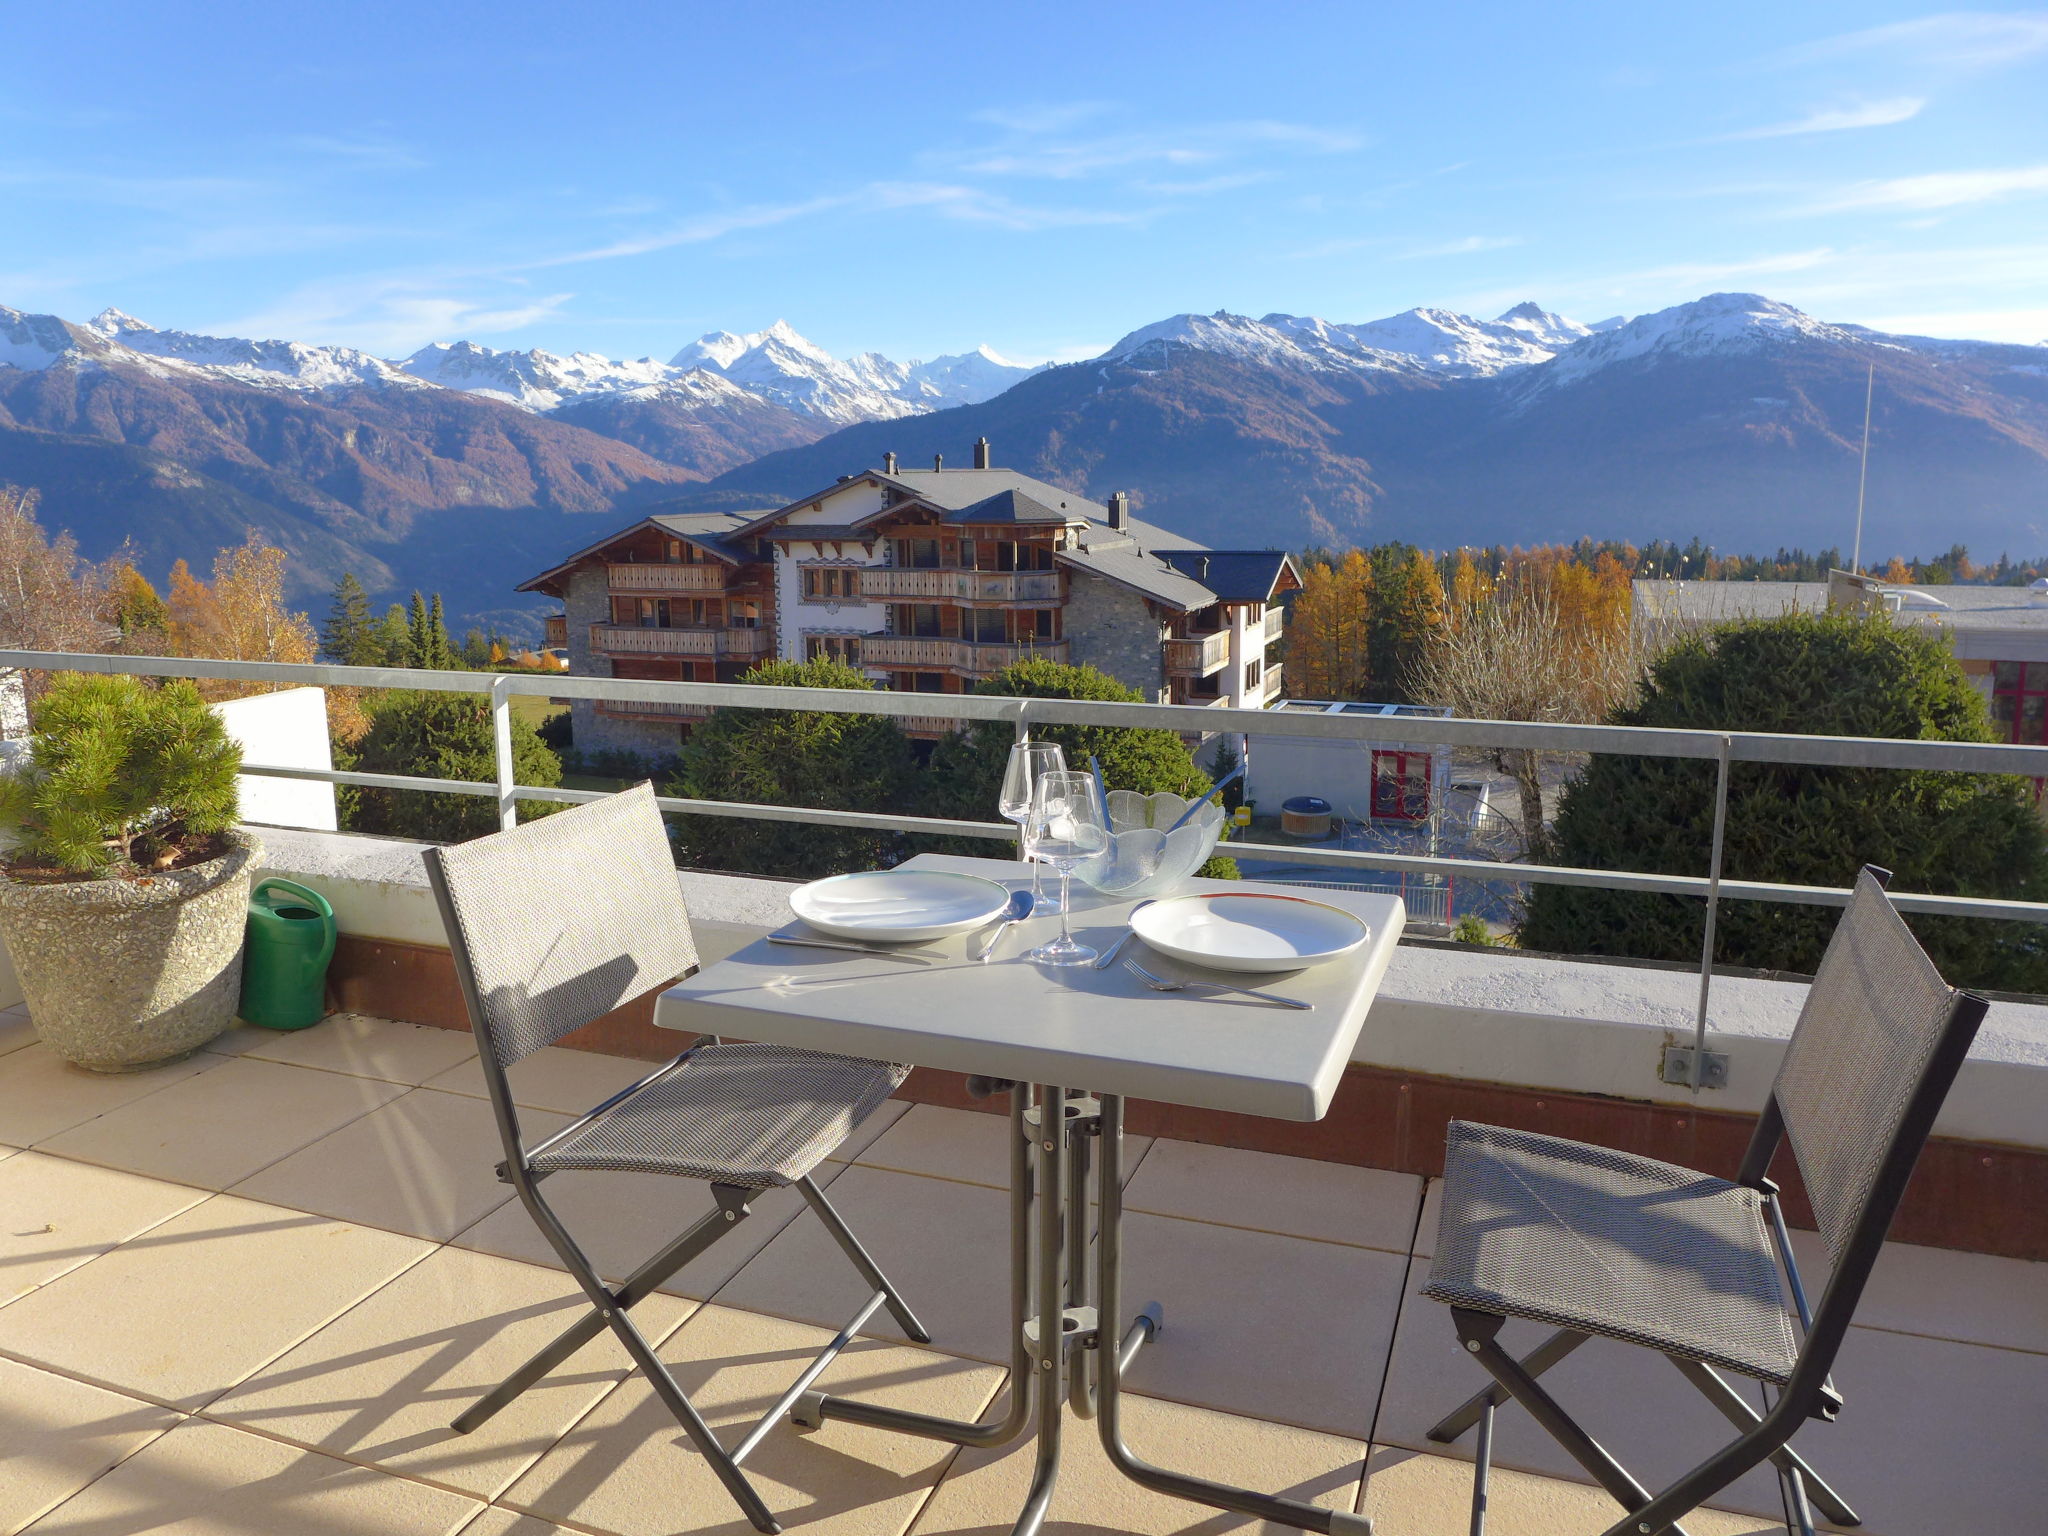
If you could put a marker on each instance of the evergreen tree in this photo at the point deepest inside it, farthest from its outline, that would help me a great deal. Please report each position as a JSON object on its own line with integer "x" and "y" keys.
{"x": 427, "y": 633}
{"x": 442, "y": 736}
{"x": 393, "y": 639}
{"x": 1969, "y": 834}
{"x": 793, "y": 757}
{"x": 135, "y": 609}
{"x": 349, "y": 636}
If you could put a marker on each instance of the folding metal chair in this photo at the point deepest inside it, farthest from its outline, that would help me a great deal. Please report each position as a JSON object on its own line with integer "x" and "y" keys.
{"x": 554, "y": 924}
{"x": 1593, "y": 1241}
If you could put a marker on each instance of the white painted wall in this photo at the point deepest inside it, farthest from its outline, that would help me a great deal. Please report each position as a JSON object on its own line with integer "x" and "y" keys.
{"x": 795, "y": 618}
{"x": 290, "y": 730}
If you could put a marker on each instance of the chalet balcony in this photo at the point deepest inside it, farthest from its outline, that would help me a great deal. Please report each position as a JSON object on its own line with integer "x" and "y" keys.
{"x": 1198, "y": 655}
{"x": 639, "y": 640}
{"x": 643, "y": 709}
{"x": 652, "y": 577}
{"x": 905, "y": 584}
{"x": 953, "y": 655}
{"x": 1275, "y": 622}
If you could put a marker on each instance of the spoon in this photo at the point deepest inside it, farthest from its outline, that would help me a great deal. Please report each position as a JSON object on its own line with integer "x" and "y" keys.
{"x": 1018, "y": 909}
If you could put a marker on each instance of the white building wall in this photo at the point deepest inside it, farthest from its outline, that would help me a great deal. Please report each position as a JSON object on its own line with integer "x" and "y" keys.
{"x": 290, "y": 730}
{"x": 795, "y": 619}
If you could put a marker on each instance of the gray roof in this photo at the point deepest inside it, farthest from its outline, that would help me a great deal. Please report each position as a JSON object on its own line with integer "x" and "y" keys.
{"x": 1011, "y": 506}
{"x": 708, "y": 529}
{"x": 958, "y": 489}
{"x": 1715, "y": 602}
{"x": 1234, "y": 575}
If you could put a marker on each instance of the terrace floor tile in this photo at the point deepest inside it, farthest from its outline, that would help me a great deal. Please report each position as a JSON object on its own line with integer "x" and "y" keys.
{"x": 628, "y": 1470}
{"x": 1977, "y": 1298}
{"x": 382, "y": 1382}
{"x": 205, "y": 1479}
{"x": 41, "y": 1094}
{"x": 16, "y": 1030}
{"x": 424, "y": 1164}
{"x": 1276, "y": 1328}
{"x": 1292, "y": 1196}
{"x": 362, "y": 1046}
{"x": 57, "y": 1435}
{"x": 59, "y": 1214}
{"x": 1411, "y": 1494}
{"x": 191, "y": 1307}
{"x": 219, "y": 1127}
{"x": 567, "y": 1082}
{"x": 945, "y": 1245}
{"x": 961, "y": 1144}
{"x": 984, "y": 1490}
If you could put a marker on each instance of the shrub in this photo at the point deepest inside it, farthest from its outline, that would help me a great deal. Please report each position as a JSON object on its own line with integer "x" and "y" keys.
{"x": 1471, "y": 929}
{"x": 442, "y": 736}
{"x": 793, "y": 757}
{"x": 1831, "y": 675}
{"x": 966, "y": 774}
{"x": 124, "y": 779}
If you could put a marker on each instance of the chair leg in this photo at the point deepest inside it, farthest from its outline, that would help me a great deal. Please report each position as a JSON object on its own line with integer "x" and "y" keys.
{"x": 1536, "y": 1362}
{"x": 733, "y": 1209}
{"x": 610, "y": 1311}
{"x": 1738, "y": 1412}
{"x": 870, "y": 1271}
{"x": 1477, "y": 1331}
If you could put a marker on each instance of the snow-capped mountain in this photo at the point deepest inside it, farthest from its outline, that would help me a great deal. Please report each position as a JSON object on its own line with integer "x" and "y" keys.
{"x": 781, "y": 365}
{"x": 273, "y": 364}
{"x": 1721, "y": 324}
{"x": 1437, "y": 341}
{"x": 538, "y": 380}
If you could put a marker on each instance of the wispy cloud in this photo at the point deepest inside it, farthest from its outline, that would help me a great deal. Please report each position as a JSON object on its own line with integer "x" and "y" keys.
{"x": 695, "y": 231}
{"x": 1039, "y": 155}
{"x": 1204, "y": 186}
{"x": 372, "y": 152}
{"x": 390, "y": 315}
{"x": 1468, "y": 246}
{"x": 974, "y": 205}
{"x": 1874, "y": 114}
{"x": 1936, "y": 190}
{"x": 1049, "y": 117}
{"x": 1967, "y": 40}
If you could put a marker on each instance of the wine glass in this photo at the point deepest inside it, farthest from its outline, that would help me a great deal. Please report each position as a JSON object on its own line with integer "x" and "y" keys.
{"x": 1029, "y": 762}
{"x": 1064, "y": 828}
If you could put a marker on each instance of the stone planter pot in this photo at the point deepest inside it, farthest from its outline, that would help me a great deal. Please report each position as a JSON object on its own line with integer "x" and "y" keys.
{"x": 125, "y": 974}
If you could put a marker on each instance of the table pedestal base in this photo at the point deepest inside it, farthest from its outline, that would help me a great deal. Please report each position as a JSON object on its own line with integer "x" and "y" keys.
{"x": 1062, "y": 1312}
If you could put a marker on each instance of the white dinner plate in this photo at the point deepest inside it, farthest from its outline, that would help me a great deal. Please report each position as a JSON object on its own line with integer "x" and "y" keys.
{"x": 898, "y": 904}
{"x": 1249, "y": 932}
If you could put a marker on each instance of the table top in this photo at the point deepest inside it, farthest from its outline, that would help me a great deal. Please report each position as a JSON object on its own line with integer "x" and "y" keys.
{"x": 1072, "y": 1026}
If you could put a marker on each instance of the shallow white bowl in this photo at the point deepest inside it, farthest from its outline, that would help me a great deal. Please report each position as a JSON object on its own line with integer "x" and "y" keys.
{"x": 1249, "y": 932}
{"x": 898, "y": 904}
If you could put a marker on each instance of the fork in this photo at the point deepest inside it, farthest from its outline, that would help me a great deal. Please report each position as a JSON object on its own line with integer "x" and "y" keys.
{"x": 1161, "y": 984}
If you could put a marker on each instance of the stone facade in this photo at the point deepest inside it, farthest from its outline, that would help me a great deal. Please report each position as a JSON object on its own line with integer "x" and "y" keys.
{"x": 588, "y": 601}
{"x": 1115, "y": 630}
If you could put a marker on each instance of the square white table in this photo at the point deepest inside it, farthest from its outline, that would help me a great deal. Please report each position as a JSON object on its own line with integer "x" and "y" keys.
{"x": 1071, "y": 1044}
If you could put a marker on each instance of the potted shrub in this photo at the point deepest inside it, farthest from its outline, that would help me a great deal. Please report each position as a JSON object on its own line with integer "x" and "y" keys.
{"x": 125, "y": 894}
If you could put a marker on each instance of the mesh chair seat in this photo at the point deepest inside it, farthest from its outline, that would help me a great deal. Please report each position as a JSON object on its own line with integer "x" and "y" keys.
{"x": 1606, "y": 1243}
{"x": 756, "y": 1116}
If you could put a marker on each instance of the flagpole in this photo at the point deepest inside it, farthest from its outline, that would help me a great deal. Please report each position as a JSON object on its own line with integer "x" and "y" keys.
{"x": 1863, "y": 471}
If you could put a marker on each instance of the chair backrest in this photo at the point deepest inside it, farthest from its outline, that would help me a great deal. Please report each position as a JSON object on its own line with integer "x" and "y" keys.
{"x": 1875, "y": 1052}
{"x": 559, "y": 921}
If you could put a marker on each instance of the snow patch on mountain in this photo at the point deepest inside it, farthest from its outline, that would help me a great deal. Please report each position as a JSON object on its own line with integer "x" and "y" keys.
{"x": 538, "y": 380}
{"x": 1438, "y": 341}
{"x": 266, "y": 364}
{"x": 1721, "y": 324}
{"x": 34, "y": 342}
{"x": 782, "y": 365}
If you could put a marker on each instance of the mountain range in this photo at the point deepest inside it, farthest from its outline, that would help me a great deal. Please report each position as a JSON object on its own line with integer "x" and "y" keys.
{"x": 1734, "y": 417}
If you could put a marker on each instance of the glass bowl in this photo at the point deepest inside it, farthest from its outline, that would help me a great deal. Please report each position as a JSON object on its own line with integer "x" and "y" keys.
{"x": 1142, "y": 859}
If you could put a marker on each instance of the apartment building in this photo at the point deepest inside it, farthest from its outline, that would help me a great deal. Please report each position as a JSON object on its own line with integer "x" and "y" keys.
{"x": 928, "y": 580}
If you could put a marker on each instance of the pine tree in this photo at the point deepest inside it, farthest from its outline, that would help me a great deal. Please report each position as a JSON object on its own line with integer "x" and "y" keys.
{"x": 349, "y": 636}
{"x": 393, "y": 639}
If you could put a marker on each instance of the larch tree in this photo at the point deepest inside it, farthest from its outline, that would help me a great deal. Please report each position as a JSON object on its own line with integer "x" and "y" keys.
{"x": 1329, "y": 630}
{"x": 50, "y": 598}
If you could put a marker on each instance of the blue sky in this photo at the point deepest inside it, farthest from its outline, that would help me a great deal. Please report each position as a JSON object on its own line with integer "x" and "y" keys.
{"x": 921, "y": 179}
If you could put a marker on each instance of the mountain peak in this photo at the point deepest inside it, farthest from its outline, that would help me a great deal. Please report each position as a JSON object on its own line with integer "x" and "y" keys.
{"x": 1720, "y": 324}
{"x": 111, "y": 322}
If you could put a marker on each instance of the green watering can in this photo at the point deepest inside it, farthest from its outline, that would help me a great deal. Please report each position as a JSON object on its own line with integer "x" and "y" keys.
{"x": 284, "y": 967}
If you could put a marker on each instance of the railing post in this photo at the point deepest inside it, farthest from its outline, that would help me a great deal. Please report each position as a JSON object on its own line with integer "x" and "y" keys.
{"x": 1697, "y": 1073}
{"x": 501, "y": 751}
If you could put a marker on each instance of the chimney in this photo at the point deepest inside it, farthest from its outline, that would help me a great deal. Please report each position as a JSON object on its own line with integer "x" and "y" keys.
{"x": 1119, "y": 511}
{"x": 981, "y": 453}
{"x": 938, "y": 461}
{"x": 889, "y": 462}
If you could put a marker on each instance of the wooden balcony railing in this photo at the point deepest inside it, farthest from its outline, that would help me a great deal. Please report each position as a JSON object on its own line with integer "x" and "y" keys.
{"x": 641, "y": 709}
{"x": 1276, "y": 620}
{"x": 636, "y": 640}
{"x": 952, "y": 655}
{"x": 910, "y": 584}
{"x": 651, "y": 577}
{"x": 1200, "y": 655}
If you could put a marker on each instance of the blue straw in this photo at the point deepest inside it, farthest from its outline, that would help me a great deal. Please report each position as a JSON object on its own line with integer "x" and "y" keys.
{"x": 1202, "y": 799}
{"x": 1101, "y": 791}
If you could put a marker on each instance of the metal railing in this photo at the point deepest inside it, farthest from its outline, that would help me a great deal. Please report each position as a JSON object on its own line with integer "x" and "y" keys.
{"x": 1723, "y": 749}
